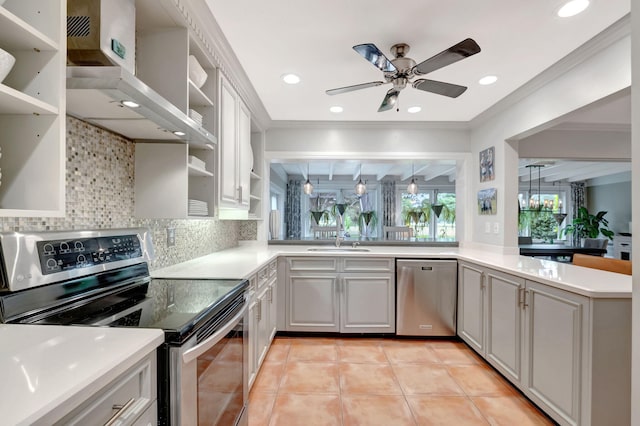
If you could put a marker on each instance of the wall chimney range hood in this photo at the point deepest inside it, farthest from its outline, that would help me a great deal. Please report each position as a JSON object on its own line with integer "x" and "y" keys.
{"x": 101, "y": 86}
{"x": 95, "y": 94}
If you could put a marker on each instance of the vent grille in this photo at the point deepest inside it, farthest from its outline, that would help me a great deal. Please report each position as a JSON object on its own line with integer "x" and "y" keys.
{"x": 78, "y": 26}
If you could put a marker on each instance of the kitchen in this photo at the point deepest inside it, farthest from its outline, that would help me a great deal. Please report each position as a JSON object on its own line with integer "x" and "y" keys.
{"x": 102, "y": 195}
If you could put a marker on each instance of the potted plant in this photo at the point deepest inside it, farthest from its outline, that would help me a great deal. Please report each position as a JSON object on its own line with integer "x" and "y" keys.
{"x": 587, "y": 225}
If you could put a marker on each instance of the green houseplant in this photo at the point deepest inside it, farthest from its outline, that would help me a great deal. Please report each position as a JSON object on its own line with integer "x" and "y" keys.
{"x": 587, "y": 225}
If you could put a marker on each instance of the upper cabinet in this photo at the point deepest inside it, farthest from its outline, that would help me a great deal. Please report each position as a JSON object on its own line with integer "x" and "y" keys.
{"x": 32, "y": 109}
{"x": 236, "y": 157}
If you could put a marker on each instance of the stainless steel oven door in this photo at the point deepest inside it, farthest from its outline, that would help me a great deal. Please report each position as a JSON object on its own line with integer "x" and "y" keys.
{"x": 208, "y": 378}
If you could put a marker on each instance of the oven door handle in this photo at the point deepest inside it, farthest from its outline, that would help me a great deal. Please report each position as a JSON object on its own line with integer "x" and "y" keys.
{"x": 193, "y": 353}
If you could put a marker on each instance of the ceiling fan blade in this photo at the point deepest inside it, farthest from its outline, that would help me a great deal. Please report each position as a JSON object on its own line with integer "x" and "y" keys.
{"x": 372, "y": 54}
{"x": 439, "y": 87}
{"x": 459, "y": 51}
{"x": 355, "y": 87}
{"x": 389, "y": 101}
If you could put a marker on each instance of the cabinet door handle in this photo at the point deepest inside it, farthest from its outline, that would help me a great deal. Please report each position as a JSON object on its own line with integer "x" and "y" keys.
{"x": 240, "y": 193}
{"x": 520, "y": 296}
{"x": 482, "y": 281}
{"x": 270, "y": 294}
{"x": 121, "y": 409}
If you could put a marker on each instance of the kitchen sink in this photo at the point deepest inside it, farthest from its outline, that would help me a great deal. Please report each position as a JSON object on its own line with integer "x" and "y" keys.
{"x": 337, "y": 249}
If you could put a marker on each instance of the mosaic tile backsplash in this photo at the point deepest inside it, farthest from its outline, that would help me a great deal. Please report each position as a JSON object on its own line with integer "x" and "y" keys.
{"x": 99, "y": 194}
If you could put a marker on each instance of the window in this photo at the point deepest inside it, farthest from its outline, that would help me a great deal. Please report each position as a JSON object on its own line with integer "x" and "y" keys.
{"x": 540, "y": 217}
{"x": 321, "y": 208}
{"x": 416, "y": 211}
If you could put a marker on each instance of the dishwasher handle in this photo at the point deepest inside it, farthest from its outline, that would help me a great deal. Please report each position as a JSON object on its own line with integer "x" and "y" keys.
{"x": 427, "y": 268}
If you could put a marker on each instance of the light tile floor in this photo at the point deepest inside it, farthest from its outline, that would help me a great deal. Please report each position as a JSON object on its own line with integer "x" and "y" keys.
{"x": 358, "y": 381}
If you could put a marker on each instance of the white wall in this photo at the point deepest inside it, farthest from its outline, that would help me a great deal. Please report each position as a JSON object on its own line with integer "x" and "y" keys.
{"x": 615, "y": 199}
{"x": 577, "y": 144}
{"x": 605, "y": 70}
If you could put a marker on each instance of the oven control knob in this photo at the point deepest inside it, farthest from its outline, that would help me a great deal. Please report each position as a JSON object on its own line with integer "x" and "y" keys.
{"x": 48, "y": 249}
{"x": 64, "y": 247}
{"x": 101, "y": 257}
{"x": 79, "y": 246}
{"x": 51, "y": 264}
{"x": 81, "y": 259}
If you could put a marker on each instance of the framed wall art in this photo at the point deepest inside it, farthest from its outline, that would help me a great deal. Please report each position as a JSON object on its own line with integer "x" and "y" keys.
{"x": 486, "y": 164}
{"x": 488, "y": 201}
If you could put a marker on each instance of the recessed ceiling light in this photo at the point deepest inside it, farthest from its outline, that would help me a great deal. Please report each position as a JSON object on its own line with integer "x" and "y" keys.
{"x": 414, "y": 109}
{"x": 179, "y": 133}
{"x": 291, "y": 79}
{"x": 572, "y": 8}
{"x": 489, "y": 79}
{"x": 336, "y": 109}
{"x": 129, "y": 104}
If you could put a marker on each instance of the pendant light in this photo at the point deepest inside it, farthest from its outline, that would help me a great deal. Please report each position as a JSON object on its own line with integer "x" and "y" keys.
{"x": 307, "y": 187}
{"x": 413, "y": 186}
{"x": 360, "y": 187}
{"x": 436, "y": 207}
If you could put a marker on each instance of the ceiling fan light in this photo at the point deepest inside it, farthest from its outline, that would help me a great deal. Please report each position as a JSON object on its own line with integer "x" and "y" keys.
{"x": 412, "y": 188}
{"x": 361, "y": 188}
{"x": 307, "y": 188}
{"x": 487, "y": 80}
{"x": 573, "y": 8}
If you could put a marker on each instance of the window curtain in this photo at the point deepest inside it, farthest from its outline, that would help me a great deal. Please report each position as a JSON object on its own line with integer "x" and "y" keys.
{"x": 292, "y": 213}
{"x": 577, "y": 201}
{"x": 388, "y": 203}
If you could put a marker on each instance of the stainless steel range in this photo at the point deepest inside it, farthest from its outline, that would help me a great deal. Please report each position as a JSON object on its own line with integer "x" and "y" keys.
{"x": 101, "y": 278}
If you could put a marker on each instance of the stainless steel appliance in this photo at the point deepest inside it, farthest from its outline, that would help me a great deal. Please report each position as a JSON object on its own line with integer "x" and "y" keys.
{"x": 101, "y": 278}
{"x": 426, "y": 297}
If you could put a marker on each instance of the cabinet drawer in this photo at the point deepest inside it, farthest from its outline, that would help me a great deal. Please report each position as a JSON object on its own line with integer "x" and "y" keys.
{"x": 137, "y": 386}
{"x": 263, "y": 276}
{"x": 313, "y": 264}
{"x": 273, "y": 268}
{"x": 363, "y": 264}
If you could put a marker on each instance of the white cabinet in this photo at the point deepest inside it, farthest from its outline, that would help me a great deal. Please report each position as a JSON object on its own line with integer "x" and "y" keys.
{"x": 504, "y": 333}
{"x": 471, "y": 305}
{"x": 128, "y": 400}
{"x": 261, "y": 317}
{"x": 555, "y": 349}
{"x": 235, "y": 154}
{"x": 568, "y": 353}
{"x": 347, "y": 295}
{"x": 173, "y": 180}
{"x": 32, "y": 108}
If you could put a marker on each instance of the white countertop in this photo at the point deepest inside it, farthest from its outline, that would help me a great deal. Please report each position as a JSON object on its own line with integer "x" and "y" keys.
{"x": 46, "y": 371}
{"x": 246, "y": 259}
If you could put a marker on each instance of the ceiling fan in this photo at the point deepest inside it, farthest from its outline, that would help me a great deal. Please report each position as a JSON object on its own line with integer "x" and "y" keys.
{"x": 402, "y": 69}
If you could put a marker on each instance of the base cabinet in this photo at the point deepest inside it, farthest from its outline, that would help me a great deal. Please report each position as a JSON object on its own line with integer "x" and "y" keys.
{"x": 346, "y": 295}
{"x": 261, "y": 317}
{"x": 568, "y": 353}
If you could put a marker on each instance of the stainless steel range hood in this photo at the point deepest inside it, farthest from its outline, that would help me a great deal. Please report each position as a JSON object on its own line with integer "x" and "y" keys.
{"x": 95, "y": 95}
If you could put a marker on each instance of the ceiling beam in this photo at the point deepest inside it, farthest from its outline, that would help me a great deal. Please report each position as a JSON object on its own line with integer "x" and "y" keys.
{"x": 383, "y": 170}
{"x": 557, "y": 169}
{"x": 624, "y": 167}
{"x": 356, "y": 172}
{"x": 331, "y": 165}
{"x": 412, "y": 172}
{"x": 436, "y": 171}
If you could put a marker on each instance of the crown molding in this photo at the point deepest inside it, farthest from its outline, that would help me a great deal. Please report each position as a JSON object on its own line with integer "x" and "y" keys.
{"x": 615, "y": 32}
{"x": 593, "y": 127}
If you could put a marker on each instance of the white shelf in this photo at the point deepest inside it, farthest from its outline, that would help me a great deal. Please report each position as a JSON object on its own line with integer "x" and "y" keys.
{"x": 13, "y": 101}
{"x": 197, "y": 171}
{"x": 17, "y": 34}
{"x": 197, "y": 97}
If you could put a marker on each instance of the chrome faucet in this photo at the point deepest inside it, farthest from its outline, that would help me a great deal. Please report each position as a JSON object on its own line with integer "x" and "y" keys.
{"x": 355, "y": 244}
{"x": 338, "y": 240}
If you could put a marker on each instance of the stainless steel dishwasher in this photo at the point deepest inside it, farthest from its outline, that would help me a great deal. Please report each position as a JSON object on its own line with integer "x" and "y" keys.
{"x": 426, "y": 297}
